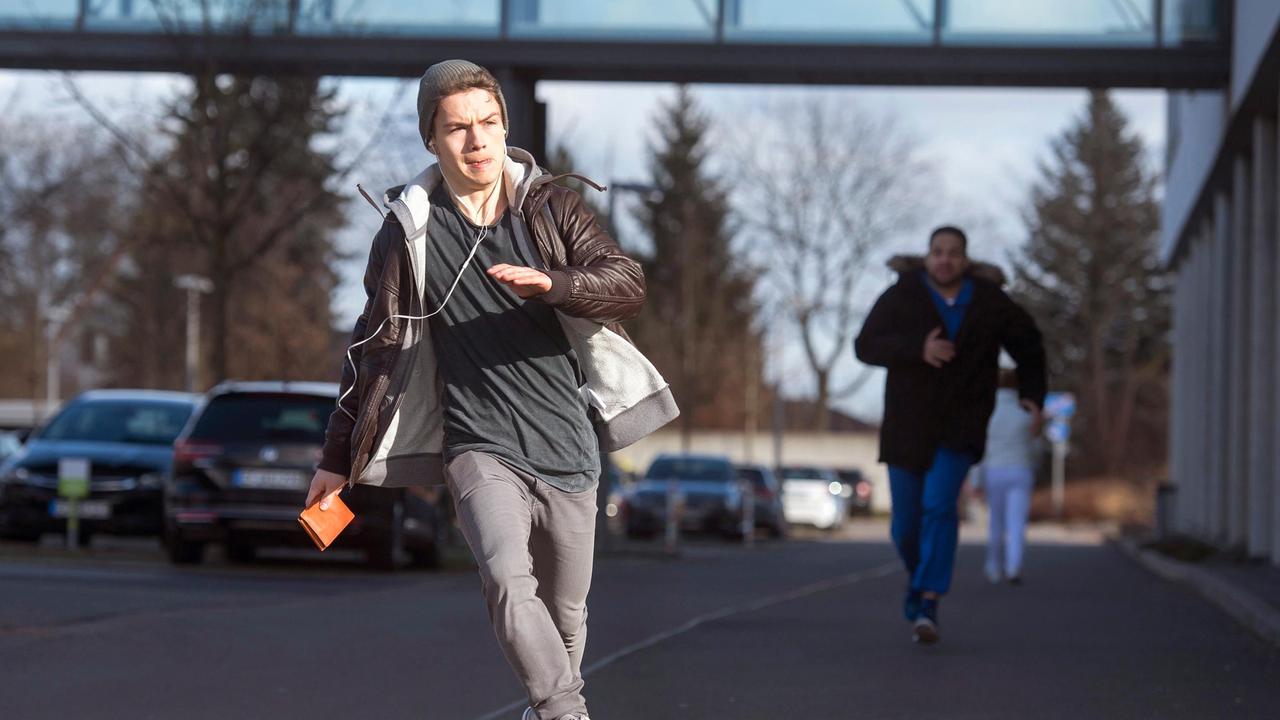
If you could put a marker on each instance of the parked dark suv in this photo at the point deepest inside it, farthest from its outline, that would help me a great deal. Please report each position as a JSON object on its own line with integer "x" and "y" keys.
{"x": 127, "y": 437}
{"x": 242, "y": 468}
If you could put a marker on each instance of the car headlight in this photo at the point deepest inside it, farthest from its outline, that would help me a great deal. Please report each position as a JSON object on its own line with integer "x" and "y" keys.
{"x": 20, "y": 474}
{"x": 835, "y": 488}
{"x": 150, "y": 481}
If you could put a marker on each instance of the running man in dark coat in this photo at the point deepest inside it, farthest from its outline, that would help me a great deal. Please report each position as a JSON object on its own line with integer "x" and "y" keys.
{"x": 939, "y": 331}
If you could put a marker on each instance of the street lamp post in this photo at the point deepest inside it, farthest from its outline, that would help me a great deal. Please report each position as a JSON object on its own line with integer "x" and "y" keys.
{"x": 55, "y": 317}
{"x": 194, "y": 285}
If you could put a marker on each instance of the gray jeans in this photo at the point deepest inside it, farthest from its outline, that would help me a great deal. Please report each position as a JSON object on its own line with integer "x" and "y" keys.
{"x": 534, "y": 546}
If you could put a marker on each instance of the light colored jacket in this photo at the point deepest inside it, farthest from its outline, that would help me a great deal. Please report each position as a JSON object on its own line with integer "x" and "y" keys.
{"x": 1009, "y": 440}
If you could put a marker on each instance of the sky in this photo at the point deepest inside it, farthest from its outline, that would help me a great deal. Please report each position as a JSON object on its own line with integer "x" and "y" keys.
{"x": 983, "y": 144}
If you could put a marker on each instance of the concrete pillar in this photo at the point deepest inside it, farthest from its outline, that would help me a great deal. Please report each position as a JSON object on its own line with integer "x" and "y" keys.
{"x": 1273, "y": 334}
{"x": 1183, "y": 426}
{"x": 1240, "y": 415}
{"x": 1262, "y": 337}
{"x": 527, "y": 116}
{"x": 1198, "y": 391}
{"x": 1178, "y": 396}
{"x": 1220, "y": 361}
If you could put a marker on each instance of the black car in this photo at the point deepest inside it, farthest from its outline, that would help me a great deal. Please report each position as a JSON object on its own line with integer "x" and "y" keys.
{"x": 708, "y": 496}
{"x": 858, "y": 490}
{"x": 127, "y": 438}
{"x": 767, "y": 497}
{"x": 242, "y": 468}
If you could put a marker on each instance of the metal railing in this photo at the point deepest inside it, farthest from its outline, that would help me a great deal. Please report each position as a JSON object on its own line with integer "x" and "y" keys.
{"x": 1111, "y": 23}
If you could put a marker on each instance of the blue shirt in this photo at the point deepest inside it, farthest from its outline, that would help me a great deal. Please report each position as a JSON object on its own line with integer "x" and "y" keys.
{"x": 952, "y": 311}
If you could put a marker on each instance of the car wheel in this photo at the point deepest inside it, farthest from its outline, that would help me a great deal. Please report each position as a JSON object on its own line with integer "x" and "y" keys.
{"x": 636, "y": 534}
{"x": 26, "y": 536}
{"x": 425, "y": 557}
{"x": 239, "y": 551}
{"x": 184, "y": 552}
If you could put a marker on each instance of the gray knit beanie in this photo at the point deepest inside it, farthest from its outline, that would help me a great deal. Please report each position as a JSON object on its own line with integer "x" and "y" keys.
{"x": 444, "y": 79}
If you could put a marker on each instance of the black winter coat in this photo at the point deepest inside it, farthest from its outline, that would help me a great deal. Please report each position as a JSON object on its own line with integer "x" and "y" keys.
{"x": 926, "y": 407}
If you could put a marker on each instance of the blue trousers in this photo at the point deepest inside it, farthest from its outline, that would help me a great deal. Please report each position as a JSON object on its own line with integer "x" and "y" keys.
{"x": 925, "y": 525}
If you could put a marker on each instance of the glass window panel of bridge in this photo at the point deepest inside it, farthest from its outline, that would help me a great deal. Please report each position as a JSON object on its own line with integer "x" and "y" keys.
{"x": 28, "y": 14}
{"x": 400, "y": 17}
{"x": 799, "y": 21}
{"x": 186, "y": 15}
{"x": 1190, "y": 21}
{"x": 653, "y": 19}
{"x": 1050, "y": 22}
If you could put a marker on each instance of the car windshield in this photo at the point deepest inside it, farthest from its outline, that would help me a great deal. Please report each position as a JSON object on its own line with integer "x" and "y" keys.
{"x": 274, "y": 418}
{"x": 9, "y": 444}
{"x": 751, "y": 475}
{"x": 704, "y": 469}
{"x": 123, "y": 421}
{"x": 803, "y": 473}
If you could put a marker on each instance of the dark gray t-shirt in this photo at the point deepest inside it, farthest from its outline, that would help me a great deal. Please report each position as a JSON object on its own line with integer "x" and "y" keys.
{"x": 510, "y": 375}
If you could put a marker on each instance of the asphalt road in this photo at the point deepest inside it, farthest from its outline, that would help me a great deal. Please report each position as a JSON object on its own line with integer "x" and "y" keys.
{"x": 803, "y": 629}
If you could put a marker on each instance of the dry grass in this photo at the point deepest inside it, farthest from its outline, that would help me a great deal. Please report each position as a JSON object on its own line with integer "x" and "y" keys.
{"x": 1122, "y": 500}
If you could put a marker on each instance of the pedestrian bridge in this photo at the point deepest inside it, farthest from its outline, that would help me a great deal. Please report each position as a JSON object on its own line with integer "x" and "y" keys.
{"x": 1082, "y": 43}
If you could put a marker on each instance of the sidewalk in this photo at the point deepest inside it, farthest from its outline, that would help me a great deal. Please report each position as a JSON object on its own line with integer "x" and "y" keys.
{"x": 1248, "y": 591}
{"x": 1088, "y": 635}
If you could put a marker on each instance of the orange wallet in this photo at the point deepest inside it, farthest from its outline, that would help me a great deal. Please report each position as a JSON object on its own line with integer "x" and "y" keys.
{"x": 324, "y": 526}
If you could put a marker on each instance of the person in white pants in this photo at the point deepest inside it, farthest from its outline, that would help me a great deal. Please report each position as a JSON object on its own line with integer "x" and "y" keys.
{"x": 1007, "y": 477}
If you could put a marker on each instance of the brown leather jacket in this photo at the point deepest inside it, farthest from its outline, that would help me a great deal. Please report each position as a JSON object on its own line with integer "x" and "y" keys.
{"x": 591, "y": 278}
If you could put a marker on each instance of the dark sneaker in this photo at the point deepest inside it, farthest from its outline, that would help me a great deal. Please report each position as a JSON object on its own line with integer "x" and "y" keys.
{"x": 925, "y": 628}
{"x": 911, "y": 605}
{"x": 1015, "y": 580}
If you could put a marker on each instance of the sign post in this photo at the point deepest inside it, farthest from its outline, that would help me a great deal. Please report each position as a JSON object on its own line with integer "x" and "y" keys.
{"x": 73, "y": 486}
{"x": 1059, "y": 407}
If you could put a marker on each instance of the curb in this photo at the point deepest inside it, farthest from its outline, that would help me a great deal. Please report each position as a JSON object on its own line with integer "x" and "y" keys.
{"x": 1244, "y": 607}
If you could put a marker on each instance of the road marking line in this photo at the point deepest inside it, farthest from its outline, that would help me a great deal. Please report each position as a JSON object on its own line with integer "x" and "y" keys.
{"x": 815, "y": 588}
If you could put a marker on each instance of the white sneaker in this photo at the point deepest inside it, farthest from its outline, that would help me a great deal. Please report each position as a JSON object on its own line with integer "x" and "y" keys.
{"x": 994, "y": 576}
{"x": 529, "y": 714}
{"x": 924, "y": 631}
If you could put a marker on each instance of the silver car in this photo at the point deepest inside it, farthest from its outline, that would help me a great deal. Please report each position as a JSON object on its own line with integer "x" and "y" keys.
{"x": 813, "y": 496}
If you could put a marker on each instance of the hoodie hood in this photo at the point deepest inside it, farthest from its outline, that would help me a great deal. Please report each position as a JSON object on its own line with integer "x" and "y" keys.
{"x": 906, "y": 264}
{"x": 411, "y": 205}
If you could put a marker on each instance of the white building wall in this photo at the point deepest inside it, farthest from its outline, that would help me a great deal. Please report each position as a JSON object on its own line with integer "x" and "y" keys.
{"x": 1255, "y": 25}
{"x": 1197, "y": 121}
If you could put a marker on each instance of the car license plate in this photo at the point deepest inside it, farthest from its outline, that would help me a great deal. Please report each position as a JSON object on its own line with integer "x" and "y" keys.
{"x": 88, "y": 510}
{"x": 271, "y": 480}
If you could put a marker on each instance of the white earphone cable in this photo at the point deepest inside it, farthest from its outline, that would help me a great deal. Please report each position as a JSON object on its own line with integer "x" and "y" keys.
{"x": 480, "y": 237}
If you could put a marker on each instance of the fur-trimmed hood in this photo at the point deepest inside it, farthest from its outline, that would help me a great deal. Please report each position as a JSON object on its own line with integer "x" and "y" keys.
{"x": 903, "y": 264}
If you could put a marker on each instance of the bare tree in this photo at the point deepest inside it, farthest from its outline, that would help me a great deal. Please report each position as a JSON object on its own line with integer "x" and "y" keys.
{"x": 64, "y": 205}
{"x": 244, "y": 165}
{"x": 822, "y": 188}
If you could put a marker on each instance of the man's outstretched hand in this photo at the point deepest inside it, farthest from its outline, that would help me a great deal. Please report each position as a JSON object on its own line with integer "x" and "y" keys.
{"x": 525, "y": 281}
